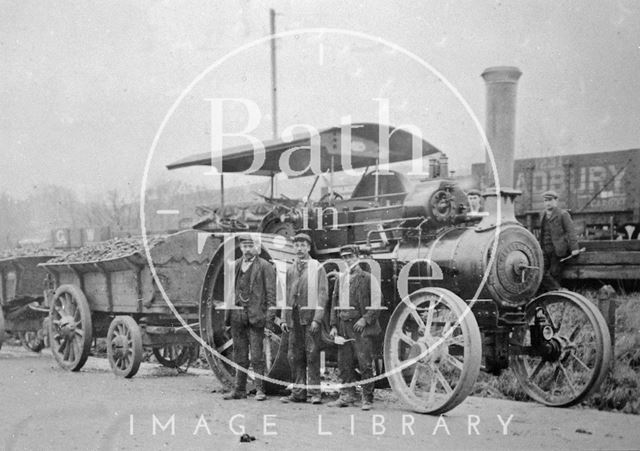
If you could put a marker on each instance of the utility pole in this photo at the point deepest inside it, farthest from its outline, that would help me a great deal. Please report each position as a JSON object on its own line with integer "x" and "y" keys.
{"x": 274, "y": 88}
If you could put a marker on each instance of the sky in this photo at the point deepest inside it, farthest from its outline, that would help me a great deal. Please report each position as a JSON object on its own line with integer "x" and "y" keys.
{"x": 86, "y": 85}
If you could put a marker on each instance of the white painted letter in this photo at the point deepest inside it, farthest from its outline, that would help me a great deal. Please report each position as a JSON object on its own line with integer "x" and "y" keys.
{"x": 171, "y": 422}
{"x": 240, "y": 429}
{"x": 217, "y": 133}
{"x": 202, "y": 423}
{"x": 439, "y": 424}
{"x": 505, "y": 425}
{"x": 473, "y": 424}
{"x": 320, "y": 431}
{"x": 408, "y": 424}
{"x": 266, "y": 424}
{"x": 377, "y": 425}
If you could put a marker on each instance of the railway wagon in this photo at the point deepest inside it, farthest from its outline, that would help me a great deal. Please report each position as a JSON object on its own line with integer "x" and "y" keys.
{"x": 108, "y": 291}
{"x": 601, "y": 190}
{"x": 22, "y": 286}
{"x": 602, "y": 193}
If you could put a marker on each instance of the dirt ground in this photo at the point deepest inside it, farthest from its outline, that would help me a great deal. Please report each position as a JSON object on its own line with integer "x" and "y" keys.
{"x": 43, "y": 407}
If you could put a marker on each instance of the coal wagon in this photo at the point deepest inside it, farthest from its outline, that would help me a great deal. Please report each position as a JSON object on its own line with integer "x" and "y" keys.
{"x": 22, "y": 287}
{"x": 108, "y": 291}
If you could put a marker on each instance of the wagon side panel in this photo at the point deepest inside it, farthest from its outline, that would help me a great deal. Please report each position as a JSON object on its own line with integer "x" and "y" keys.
{"x": 127, "y": 291}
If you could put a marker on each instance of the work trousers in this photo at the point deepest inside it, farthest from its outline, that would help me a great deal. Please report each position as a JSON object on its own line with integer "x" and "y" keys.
{"x": 247, "y": 337}
{"x": 362, "y": 347}
{"x": 552, "y": 272}
{"x": 304, "y": 361}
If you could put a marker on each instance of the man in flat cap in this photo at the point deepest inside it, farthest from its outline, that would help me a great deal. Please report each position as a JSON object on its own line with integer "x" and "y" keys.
{"x": 358, "y": 324}
{"x": 255, "y": 293}
{"x": 557, "y": 238}
{"x": 475, "y": 201}
{"x": 306, "y": 284}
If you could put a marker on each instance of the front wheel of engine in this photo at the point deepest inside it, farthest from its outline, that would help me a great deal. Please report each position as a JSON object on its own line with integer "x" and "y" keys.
{"x": 565, "y": 349}
{"x": 432, "y": 350}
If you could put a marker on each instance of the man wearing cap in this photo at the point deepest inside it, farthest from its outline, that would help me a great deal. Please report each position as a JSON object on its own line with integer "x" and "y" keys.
{"x": 475, "y": 201}
{"x": 557, "y": 238}
{"x": 357, "y": 324}
{"x": 255, "y": 293}
{"x": 306, "y": 284}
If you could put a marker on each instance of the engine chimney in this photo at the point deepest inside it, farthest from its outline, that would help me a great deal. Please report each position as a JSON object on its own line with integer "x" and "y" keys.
{"x": 502, "y": 84}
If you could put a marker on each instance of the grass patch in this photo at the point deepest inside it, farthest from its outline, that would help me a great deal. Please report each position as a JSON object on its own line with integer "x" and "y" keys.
{"x": 620, "y": 391}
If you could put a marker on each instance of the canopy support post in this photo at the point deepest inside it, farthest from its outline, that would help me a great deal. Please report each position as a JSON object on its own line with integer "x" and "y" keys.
{"x": 377, "y": 180}
{"x": 221, "y": 192}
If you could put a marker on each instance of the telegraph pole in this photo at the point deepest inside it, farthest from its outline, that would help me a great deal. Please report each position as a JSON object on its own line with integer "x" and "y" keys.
{"x": 274, "y": 88}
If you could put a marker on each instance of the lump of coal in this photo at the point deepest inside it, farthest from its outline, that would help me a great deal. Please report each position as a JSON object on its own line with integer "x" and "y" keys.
{"x": 245, "y": 438}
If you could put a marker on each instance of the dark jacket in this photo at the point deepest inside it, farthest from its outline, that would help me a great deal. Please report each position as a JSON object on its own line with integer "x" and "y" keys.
{"x": 262, "y": 293}
{"x": 563, "y": 233}
{"x": 297, "y": 292}
{"x": 359, "y": 298}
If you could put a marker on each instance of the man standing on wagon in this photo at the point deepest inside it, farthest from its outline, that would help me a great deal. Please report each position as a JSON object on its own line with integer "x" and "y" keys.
{"x": 255, "y": 294}
{"x": 557, "y": 238}
{"x": 306, "y": 280}
{"x": 358, "y": 325}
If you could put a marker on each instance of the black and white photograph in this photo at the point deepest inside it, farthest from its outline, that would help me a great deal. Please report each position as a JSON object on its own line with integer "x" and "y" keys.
{"x": 319, "y": 224}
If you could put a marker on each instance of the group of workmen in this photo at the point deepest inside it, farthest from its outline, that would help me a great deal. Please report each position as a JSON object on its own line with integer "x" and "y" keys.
{"x": 351, "y": 321}
{"x": 557, "y": 237}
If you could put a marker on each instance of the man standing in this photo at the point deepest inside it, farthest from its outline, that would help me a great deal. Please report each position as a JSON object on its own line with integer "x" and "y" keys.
{"x": 557, "y": 238}
{"x": 305, "y": 279}
{"x": 358, "y": 325}
{"x": 255, "y": 293}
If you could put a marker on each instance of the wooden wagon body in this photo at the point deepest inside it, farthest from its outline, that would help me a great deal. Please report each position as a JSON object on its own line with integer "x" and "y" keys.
{"x": 118, "y": 298}
{"x": 22, "y": 285}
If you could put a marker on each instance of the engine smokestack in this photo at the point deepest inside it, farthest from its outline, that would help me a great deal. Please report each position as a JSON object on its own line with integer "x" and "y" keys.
{"x": 502, "y": 84}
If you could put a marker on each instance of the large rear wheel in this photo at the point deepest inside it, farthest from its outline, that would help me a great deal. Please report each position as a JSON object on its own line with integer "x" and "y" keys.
{"x": 432, "y": 350}
{"x": 70, "y": 327}
{"x": 564, "y": 349}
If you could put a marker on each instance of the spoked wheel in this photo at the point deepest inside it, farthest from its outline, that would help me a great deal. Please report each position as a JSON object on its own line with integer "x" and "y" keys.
{"x": 432, "y": 350}
{"x": 70, "y": 327}
{"x": 124, "y": 346}
{"x": 565, "y": 349}
{"x": 32, "y": 341}
{"x": 174, "y": 355}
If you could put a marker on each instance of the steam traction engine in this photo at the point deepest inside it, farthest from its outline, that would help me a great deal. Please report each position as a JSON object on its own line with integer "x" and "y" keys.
{"x": 459, "y": 290}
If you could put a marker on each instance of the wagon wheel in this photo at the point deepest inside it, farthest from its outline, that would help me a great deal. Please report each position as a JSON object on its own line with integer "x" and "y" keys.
{"x": 124, "y": 346}
{"x": 566, "y": 349}
{"x": 70, "y": 327}
{"x": 32, "y": 341}
{"x": 432, "y": 350}
{"x": 175, "y": 355}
